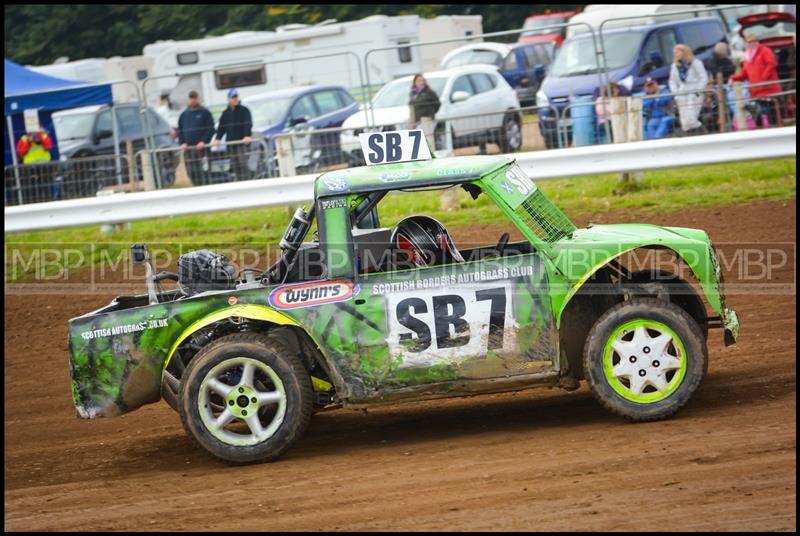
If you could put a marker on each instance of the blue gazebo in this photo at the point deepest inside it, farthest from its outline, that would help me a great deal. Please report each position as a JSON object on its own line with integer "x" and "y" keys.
{"x": 29, "y": 90}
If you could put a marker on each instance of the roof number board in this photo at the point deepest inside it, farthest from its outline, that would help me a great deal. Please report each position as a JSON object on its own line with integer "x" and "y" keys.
{"x": 394, "y": 146}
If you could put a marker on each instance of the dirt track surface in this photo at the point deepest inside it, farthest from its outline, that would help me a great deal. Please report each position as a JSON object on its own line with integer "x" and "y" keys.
{"x": 534, "y": 460}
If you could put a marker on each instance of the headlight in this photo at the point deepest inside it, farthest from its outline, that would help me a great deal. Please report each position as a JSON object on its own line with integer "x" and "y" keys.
{"x": 541, "y": 99}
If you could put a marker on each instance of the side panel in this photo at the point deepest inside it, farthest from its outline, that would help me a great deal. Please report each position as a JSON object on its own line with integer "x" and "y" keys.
{"x": 117, "y": 357}
{"x": 472, "y": 321}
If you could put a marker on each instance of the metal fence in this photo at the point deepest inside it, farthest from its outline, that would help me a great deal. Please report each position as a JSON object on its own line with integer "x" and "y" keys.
{"x": 310, "y": 146}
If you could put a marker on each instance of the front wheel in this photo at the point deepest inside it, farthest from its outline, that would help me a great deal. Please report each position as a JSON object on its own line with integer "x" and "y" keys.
{"x": 644, "y": 358}
{"x": 245, "y": 398}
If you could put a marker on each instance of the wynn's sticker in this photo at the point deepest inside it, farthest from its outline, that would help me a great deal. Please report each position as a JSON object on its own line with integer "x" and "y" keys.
{"x": 311, "y": 294}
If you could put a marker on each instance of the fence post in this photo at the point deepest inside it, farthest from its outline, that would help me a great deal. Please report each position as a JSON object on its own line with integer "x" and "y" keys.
{"x": 619, "y": 122}
{"x": 285, "y": 156}
{"x": 723, "y": 105}
{"x": 147, "y": 170}
{"x": 131, "y": 165}
{"x": 629, "y": 111}
{"x": 741, "y": 121}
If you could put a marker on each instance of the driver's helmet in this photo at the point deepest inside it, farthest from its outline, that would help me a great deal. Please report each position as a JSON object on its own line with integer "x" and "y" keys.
{"x": 425, "y": 241}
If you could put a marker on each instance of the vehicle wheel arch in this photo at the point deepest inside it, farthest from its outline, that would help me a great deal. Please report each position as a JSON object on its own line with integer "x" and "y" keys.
{"x": 242, "y": 319}
{"x": 583, "y": 306}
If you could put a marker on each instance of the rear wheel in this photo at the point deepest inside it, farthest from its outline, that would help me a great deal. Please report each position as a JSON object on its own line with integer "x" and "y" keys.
{"x": 245, "y": 398}
{"x": 644, "y": 358}
{"x": 511, "y": 135}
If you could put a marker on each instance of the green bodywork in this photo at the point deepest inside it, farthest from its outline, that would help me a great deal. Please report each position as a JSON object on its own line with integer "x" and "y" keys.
{"x": 478, "y": 326}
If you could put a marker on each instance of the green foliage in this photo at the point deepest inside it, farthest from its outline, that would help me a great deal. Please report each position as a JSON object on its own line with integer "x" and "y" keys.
{"x": 38, "y": 34}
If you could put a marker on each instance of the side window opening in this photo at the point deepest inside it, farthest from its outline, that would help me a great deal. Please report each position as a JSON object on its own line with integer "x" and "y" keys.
{"x": 382, "y": 248}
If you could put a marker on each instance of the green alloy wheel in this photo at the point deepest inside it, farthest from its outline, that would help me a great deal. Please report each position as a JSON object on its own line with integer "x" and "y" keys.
{"x": 245, "y": 398}
{"x": 644, "y": 358}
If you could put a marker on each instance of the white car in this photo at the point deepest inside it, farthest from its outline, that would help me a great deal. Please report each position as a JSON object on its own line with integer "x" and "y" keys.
{"x": 476, "y": 101}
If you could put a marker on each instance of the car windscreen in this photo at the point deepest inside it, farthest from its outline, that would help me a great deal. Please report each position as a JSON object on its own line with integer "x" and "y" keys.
{"x": 535, "y": 24}
{"x": 268, "y": 111}
{"x": 766, "y": 30}
{"x": 397, "y": 93}
{"x": 577, "y": 56}
{"x": 471, "y": 57}
{"x": 73, "y": 126}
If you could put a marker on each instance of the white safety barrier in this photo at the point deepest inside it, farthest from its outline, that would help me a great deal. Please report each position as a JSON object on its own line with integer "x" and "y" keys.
{"x": 540, "y": 165}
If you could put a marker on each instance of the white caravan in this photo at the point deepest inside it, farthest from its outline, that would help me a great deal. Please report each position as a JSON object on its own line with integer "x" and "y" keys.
{"x": 446, "y": 27}
{"x": 132, "y": 69}
{"x": 295, "y": 55}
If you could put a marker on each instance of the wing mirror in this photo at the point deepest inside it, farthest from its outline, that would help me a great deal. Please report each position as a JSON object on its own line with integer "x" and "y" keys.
{"x": 459, "y": 96}
{"x": 294, "y": 121}
{"x": 102, "y": 134}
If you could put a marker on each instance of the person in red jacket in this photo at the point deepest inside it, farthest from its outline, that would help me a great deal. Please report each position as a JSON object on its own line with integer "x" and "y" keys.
{"x": 36, "y": 173}
{"x": 759, "y": 65}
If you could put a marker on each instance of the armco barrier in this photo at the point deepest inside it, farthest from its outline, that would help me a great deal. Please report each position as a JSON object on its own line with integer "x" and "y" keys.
{"x": 557, "y": 163}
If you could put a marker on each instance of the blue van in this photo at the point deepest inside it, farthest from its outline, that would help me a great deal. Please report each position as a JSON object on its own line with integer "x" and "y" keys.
{"x": 523, "y": 65}
{"x": 633, "y": 54}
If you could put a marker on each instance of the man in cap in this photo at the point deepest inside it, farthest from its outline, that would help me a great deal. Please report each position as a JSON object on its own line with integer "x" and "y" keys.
{"x": 236, "y": 124}
{"x": 195, "y": 130}
{"x": 656, "y": 110}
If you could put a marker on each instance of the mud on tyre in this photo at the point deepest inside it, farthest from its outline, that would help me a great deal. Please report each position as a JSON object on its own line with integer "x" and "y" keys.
{"x": 245, "y": 398}
{"x": 644, "y": 358}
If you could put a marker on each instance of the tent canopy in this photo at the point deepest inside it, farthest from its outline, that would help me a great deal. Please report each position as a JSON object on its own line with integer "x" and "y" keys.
{"x": 26, "y": 89}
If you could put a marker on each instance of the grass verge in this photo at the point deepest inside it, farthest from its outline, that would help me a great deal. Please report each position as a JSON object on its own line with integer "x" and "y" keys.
{"x": 658, "y": 191}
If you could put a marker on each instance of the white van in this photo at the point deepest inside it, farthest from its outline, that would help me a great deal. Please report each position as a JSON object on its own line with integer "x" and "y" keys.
{"x": 595, "y": 14}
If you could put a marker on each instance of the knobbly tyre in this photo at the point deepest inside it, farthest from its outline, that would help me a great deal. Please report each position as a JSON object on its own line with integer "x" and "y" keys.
{"x": 357, "y": 315}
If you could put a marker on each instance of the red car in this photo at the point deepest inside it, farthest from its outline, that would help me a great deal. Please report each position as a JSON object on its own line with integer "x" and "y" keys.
{"x": 537, "y": 21}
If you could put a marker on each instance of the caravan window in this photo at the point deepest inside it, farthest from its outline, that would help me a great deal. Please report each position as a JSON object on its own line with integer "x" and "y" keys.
{"x": 240, "y": 77}
{"x": 187, "y": 58}
{"x": 404, "y": 53}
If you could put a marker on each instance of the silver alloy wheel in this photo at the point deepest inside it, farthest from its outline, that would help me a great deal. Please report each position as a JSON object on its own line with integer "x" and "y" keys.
{"x": 513, "y": 134}
{"x": 244, "y": 402}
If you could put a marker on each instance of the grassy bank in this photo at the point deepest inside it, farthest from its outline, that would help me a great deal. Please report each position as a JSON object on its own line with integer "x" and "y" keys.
{"x": 658, "y": 191}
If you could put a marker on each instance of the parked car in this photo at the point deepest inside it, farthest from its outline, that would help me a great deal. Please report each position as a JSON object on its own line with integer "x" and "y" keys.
{"x": 522, "y": 65}
{"x": 542, "y": 20}
{"x": 633, "y": 54}
{"x": 89, "y": 132}
{"x": 463, "y": 92}
{"x": 304, "y": 109}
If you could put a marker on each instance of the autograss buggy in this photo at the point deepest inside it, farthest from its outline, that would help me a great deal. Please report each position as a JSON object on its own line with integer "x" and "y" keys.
{"x": 361, "y": 315}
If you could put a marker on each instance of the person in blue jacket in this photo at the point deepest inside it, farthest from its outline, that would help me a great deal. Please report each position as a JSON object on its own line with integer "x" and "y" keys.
{"x": 195, "y": 130}
{"x": 657, "y": 111}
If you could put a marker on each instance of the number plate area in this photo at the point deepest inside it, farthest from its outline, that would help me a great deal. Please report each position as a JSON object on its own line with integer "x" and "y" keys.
{"x": 472, "y": 321}
{"x": 448, "y": 326}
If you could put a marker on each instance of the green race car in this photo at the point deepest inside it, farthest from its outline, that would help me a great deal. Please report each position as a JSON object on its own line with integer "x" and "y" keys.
{"x": 357, "y": 315}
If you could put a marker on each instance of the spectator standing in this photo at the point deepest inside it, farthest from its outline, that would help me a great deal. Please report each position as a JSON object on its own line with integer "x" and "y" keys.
{"x": 195, "y": 130}
{"x": 720, "y": 62}
{"x": 236, "y": 124}
{"x": 687, "y": 82}
{"x": 423, "y": 104}
{"x": 759, "y": 66}
{"x": 709, "y": 113}
{"x": 657, "y": 111}
{"x": 602, "y": 108}
{"x": 34, "y": 150}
